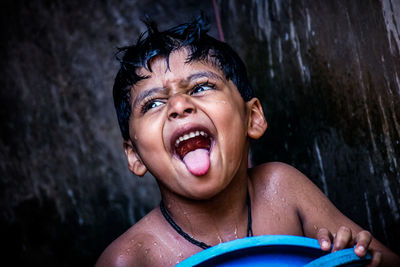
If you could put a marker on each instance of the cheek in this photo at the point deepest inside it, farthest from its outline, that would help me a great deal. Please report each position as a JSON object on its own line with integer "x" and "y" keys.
{"x": 146, "y": 136}
{"x": 231, "y": 114}
{"x": 231, "y": 123}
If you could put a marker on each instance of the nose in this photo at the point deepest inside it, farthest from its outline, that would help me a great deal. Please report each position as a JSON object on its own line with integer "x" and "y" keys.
{"x": 180, "y": 106}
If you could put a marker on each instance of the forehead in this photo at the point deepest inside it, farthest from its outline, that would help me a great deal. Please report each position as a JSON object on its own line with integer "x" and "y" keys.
{"x": 177, "y": 69}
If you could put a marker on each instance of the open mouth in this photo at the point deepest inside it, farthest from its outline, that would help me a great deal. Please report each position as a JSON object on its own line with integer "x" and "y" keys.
{"x": 193, "y": 148}
{"x": 192, "y": 141}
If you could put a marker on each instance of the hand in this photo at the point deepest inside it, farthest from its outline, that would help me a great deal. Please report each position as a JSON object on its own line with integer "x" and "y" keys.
{"x": 344, "y": 239}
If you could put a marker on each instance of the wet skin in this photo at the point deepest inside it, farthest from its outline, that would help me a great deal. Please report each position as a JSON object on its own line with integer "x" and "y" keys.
{"x": 185, "y": 98}
{"x": 211, "y": 207}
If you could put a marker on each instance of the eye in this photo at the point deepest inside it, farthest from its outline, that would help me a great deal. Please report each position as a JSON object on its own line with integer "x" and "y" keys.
{"x": 151, "y": 104}
{"x": 199, "y": 88}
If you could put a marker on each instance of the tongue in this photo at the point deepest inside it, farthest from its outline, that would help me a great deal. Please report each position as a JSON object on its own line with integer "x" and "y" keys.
{"x": 197, "y": 161}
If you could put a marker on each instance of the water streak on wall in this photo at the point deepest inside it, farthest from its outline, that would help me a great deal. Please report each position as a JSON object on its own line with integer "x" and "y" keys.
{"x": 66, "y": 191}
{"x": 327, "y": 73}
{"x": 331, "y": 97}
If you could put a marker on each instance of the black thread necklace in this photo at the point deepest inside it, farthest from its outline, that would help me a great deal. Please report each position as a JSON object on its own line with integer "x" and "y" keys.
{"x": 194, "y": 241}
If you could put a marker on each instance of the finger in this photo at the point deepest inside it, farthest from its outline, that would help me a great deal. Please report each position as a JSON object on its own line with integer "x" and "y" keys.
{"x": 324, "y": 239}
{"x": 363, "y": 240}
{"x": 343, "y": 239}
{"x": 376, "y": 258}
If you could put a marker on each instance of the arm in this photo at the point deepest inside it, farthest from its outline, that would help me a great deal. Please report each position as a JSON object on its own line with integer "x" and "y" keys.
{"x": 133, "y": 248}
{"x": 120, "y": 254}
{"x": 323, "y": 221}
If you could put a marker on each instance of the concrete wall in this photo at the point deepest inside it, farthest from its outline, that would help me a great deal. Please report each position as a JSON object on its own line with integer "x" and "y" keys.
{"x": 327, "y": 74}
{"x": 66, "y": 192}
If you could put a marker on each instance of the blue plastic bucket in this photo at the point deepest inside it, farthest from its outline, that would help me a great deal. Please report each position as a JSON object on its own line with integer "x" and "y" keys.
{"x": 273, "y": 250}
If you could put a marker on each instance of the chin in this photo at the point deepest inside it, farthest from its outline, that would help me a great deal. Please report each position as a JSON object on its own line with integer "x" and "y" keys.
{"x": 206, "y": 191}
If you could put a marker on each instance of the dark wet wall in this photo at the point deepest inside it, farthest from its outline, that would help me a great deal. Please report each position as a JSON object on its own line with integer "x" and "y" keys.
{"x": 327, "y": 74}
{"x": 65, "y": 189}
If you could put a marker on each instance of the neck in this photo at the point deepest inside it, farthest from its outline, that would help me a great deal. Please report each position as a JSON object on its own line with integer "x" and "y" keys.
{"x": 221, "y": 218}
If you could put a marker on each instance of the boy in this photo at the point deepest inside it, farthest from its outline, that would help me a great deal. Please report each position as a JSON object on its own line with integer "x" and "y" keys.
{"x": 187, "y": 114}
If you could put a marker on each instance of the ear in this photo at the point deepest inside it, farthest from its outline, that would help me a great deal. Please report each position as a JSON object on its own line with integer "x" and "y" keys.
{"x": 256, "y": 123}
{"x": 135, "y": 163}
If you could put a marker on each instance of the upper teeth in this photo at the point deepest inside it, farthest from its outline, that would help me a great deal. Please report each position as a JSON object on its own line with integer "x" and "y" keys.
{"x": 188, "y": 136}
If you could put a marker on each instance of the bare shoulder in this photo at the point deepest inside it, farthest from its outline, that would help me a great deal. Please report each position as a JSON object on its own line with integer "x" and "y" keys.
{"x": 312, "y": 206}
{"x": 273, "y": 189}
{"x": 278, "y": 174}
{"x": 136, "y": 246}
{"x": 289, "y": 182}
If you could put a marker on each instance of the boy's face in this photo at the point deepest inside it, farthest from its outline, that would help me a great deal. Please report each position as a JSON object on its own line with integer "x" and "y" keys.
{"x": 196, "y": 100}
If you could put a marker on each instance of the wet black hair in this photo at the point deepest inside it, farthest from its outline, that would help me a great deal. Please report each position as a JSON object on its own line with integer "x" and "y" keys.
{"x": 192, "y": 36}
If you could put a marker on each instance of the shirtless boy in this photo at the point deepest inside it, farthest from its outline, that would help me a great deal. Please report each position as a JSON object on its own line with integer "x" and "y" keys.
{"x": 187, "y": 114}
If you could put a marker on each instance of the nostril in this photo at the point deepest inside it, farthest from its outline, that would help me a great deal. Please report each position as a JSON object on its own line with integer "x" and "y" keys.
{"x": 180, "y": 110}
{"x": 188, "y": 110}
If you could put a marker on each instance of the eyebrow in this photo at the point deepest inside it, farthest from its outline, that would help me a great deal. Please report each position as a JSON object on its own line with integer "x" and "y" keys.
{"x": 207, "y": 74}
{"x": 144, "y": 94}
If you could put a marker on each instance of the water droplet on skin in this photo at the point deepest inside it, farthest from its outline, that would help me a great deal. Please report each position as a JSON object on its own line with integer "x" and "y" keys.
{"x": 155, "y": 244}
{"x": 147, "y": 250}
{"x": 139, "y": 244}
{"x": 180, "y": 255}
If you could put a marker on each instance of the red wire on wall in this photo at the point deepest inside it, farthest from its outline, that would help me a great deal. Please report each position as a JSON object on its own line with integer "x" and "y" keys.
{"x": 218, "y": 19}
